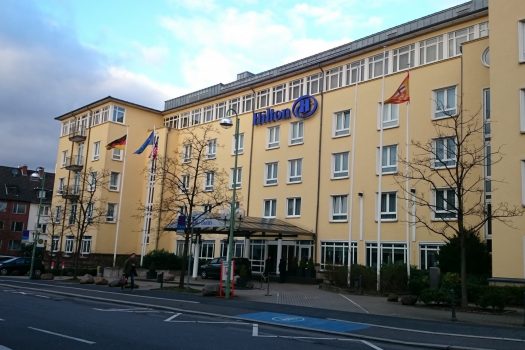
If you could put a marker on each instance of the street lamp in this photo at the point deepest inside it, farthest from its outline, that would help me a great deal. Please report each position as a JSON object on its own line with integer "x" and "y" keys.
{"x": 226, "y": 123}
{"x": 38, "y": 175}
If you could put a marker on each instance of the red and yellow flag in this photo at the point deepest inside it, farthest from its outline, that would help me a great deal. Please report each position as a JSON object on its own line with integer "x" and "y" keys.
{"x": 119, "y": 143}
{"x": 402, "y": 94}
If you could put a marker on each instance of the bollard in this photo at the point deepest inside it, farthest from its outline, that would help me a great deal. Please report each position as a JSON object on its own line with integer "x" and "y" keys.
{"x": 160, "y": 279}
{"x": 453, "y": 304}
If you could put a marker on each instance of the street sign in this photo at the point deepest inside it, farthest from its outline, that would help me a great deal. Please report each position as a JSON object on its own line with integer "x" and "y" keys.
{"x": 25, "y": 235}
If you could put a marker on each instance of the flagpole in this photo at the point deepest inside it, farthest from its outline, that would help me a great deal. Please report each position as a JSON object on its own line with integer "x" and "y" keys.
{"x": 120, "y": 199}
{"x": 380, "y": 177}
{"x": 407, "y": 184}
{"x": 149, "y": 200}
{"x": 352, "y": 181}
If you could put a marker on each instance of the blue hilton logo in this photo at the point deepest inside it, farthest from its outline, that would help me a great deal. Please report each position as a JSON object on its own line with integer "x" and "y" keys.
{"x": 304, "y": 107}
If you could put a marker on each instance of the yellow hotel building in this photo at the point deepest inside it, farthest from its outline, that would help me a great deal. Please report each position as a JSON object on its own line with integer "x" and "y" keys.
{"x": 315, "y": 148}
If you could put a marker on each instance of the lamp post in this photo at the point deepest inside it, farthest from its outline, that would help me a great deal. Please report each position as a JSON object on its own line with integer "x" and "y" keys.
{"x": 226, "y": 123}
{"x": 38, "y": 175}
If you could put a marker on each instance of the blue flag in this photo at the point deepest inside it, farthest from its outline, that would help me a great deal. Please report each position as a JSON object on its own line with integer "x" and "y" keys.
{"x": 149, "y": 141}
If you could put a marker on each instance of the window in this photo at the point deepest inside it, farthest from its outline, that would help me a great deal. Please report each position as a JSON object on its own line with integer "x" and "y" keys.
{"x": 210, "y": 181}
{"x": 118, "y": 114}
{"x": 339, "y": 208}
{"x": 185, "y": 182}
{"x": 238, "y": 248}
{"x": 17, "y": 226}
{"x": 263, "y": 98}
{"x": 211, "y": 149}
{"x": 341, "y": 126}
{"x": 186, "y": 153}
{"x": 295, "y": 170}
{"x": 295, "y": 89}
{"x": 483, "y": 29}
{"x": 196, "y": 116}
{"x": 44, "y": 210}
{"x": 172, "y": 122}
{"x": 445, "y": 203}
{"x": 13, "y": 244}
{"x": 431, "y": 50}
{"x": 207, "y": 250}
{"x": 116, "y": 154}
{"x": 270, "y": 177}
{"x": 293, "y": 207}
{"x": 220, "y": 110}
{"x": 296, "y": 133}
{"x": 111, "y": 213}
{"x": 72, "y": 214}
{"x": 389, "y": 159}
{"x": 105, "y": 114}
{"x": 3, "y": 206}
{"x": 377, "y": 65}
{"x": 240, "y": 144}
{"x": 55, "y": 241}
{"x": 390, "y": 115}
{"x": 336, "y": 254}
{"x": 521, "y": 38}
{"x": 92, "y": 181}
{"x": 279, "y": 93}
{"x": 313, "y": 84}
{"x": 96, "y": 150}
{"x": 235, "y": 104}
{"x": 486, "y": 113}
{"x": 340, "y": 165}
{"x": 428, "y": 255}
{"x": 522, "y": 110}
{"x": 404, "y": 58}
{"x": 237, "y": 176}
{"x": 58, "y": 213}
{"x": 388, "y": 206}
{"x": 355, "y": 72}
{"x": 445, "y": 102}
{"x": 334, "y": 78}
{"x": 70, "y": 242}
{"x": 89, "y": 212}
{"x": 114, "y": 181}
{"x": 270, "y": 207}
{"x": 208, "y": 114}
{"x": 273, "y": 136}
{"x": 185, "y": 120}
{"x": 523, "y": 182}
{"x": 445, "y": 152}
{"x": 85, "y": 245}
{"x": 64, "y": 158}
{"x": 19, "y": 208}
{"x": 455, "y": 39}
{"x": 391, "y": 253}
{"x": 247, "y": 103}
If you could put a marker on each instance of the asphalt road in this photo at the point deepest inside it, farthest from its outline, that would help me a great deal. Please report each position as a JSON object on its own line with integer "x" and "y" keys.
{"x": 34, "y": 316}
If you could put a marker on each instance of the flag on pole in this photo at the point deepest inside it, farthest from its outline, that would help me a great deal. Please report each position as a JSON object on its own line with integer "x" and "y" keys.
{"x": 149, "y": 141}
{"x": 154, "y": 151}
{"x": 119, "y": 143}
{"x": 401, "y": 95}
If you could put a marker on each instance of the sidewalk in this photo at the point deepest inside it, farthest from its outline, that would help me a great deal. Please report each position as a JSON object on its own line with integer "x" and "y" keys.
{"x": 313, "y": 296}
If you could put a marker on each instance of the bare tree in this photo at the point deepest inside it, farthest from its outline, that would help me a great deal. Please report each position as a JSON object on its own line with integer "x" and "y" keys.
{"x": 452, "y": 167}
{"x": 193, "y": 185}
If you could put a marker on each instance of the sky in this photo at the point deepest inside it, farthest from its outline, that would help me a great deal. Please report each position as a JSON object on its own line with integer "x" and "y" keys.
{"x": 59, "y": 55}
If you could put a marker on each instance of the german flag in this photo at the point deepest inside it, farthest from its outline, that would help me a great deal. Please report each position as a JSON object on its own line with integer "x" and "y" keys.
{"x": 119, "y": 143}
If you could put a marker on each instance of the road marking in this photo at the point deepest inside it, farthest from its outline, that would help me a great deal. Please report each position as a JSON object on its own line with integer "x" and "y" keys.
{"x": 42, "y": 296}
{"x": 140, "y": 309}
{"x": 4, "y": 348}
{"x": 432, "y": 332}
{"x": 172, "y": 317}
{"x": 319, "y": 338}
{"x": 63, "y": 335}
{"x": 356, "y": 304}
{"x": 371, "y": 345}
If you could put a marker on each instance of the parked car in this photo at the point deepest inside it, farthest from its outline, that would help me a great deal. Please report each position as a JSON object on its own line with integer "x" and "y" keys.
{"x": 19, "y": 266}
{"x": 212, "y": 269}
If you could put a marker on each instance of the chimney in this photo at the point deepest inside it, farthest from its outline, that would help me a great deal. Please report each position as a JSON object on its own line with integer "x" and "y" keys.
{"x": 23, "y": 170}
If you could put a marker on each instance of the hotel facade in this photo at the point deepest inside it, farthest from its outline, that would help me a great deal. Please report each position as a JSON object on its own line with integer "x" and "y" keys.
{"x": 317, "y": 145}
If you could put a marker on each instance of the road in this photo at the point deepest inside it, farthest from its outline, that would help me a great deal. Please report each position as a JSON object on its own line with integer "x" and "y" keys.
{"x": 33, "y": 315}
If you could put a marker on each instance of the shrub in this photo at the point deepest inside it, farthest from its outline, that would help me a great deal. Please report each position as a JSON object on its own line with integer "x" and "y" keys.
{"x": 394, "y": 278}
{"x": 162, "y": 259}
{"x": 493, "y": 297}
{"x": 431, "y": 296}
{"x": 364, "y": 277}
{"x": 478, "y": 256}
{"x": 418, "y": 281}
{"x": 337, "y": 275}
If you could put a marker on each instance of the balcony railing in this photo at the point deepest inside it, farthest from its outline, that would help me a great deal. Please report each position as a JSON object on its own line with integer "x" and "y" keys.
{"x": 74, "y": 163}
{"x": 77, "y": 135}
{"x": 72, "y": 192}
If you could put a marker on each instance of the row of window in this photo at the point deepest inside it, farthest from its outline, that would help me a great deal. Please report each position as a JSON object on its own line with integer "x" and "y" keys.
{"x": 78, "y": 159}
{"x": 14, "y": 226}
{"x": 71, "y": 214}
{"x": 69, "y": 244}
{"x": 391, "y": 61}
{"x": 111, "y": 113}
{"x": 17, "y": 208}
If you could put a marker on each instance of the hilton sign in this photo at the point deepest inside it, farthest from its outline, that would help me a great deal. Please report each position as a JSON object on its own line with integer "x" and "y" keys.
{"x": 304, "y": 107}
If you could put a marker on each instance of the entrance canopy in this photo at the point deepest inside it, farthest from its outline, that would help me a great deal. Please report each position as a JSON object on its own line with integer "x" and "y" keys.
{"x": 248, "y": 226}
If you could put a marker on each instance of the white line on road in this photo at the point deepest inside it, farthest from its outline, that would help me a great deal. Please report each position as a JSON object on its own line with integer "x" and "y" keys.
{"x": 42, "y": 296}
{"x": 371, "y": 345}
{"x": 431, "y": 332}
{"x": 140, "y": 309}
{"x": 172, "y": 317}
{"x": 322, "y": 338}
{"x": 353, "y": 302}
{"x": 63, "y": 335}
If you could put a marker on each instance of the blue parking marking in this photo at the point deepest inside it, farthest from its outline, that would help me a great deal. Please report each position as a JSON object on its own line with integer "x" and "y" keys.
{"x": 303, "y": 321}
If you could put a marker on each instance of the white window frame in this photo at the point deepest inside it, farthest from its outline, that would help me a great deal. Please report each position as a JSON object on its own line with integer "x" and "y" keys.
{"x": 339, "y": 208}
{"x": 208, "y": 113}
{"x": 334, "y": 78}
{"x": 388, "y": 211}
{"x": 446, "y": 213}
{"x": 404, "y": 58}
{"x": 523, "y": 183}
{"x": 211, "y": 149}
{"x": 247, "y": 103}
{"x": 340, "y": 165}
{"x": 273, "y": 137}
{"x": 295, "y": 89}
{"x": 55, "y": 240}
{"x": 521, "y": 41}
{"x": 263, "y": 98}
{"x": 238, "y": 179}
{"x": 279, "y": 93}
{"x": 220, "y": 110}
{"x": 522, "y": 110}
{"x": 210, "y": 181}
{"x": 64, "y": 158}
{"x": 184, "y": 120}
{"x": 271, "y": 170}
{"x": 114, "y": 181}
{"x": 185, "y": 182}
{"x": 235, "y": 104}
{"x": 430, "y": 44}
{"x": 355, "y": 72}
{"x": 240, "y": 144}
{"x": 69, "y": 244}
{"x": 118, "y": 115}
{"x": 85, "y": 245}
{"x": 424, "y": 250}
{"x": 445, "y": 153}
{"x": 378, "y": 65}
{"x": 314, "y": 84}
{"x": 390, "y": 115}
{"x": 186, "y": 152}
{"x": 117, "y": 154}
{"x": 296, "y": 133}
{"x": 457, "y": 38}
{"x": 92, "y": 181}
{"x": 446, "y": 110}
{"x": 96, "y": 150}
{"x": 295, "y": 170}
{"x": 270, "y": 208}
{"x": 196, "y": 116}
{"x": 388, "y": 160}
{"x": 293, "y": 207}
{"x": 341, "y": 123}
{"x": 111, "y": 212}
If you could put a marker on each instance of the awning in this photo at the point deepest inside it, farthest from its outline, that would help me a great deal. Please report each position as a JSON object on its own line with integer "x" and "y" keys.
{"x": 248, "y": 226}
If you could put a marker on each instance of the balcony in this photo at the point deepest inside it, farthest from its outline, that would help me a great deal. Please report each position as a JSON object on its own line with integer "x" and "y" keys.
{"x": 75, "y": 163}
{"x": 77, "y": 135}
{"x": 71, "y": 193}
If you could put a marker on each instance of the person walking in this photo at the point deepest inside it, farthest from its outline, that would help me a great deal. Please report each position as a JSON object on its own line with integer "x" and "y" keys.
{"x": 130, "y": 270}
{"x": 282, "y": 270}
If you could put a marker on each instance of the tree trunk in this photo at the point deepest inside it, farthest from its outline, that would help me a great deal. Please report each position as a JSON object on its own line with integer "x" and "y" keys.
{"x": 463, "y": 271}
{"x": 184, "y": 259}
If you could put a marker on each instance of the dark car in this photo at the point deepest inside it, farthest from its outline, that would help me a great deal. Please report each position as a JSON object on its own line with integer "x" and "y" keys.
{"x": 19, "y": 266}
{"x": 212, "y": 269}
